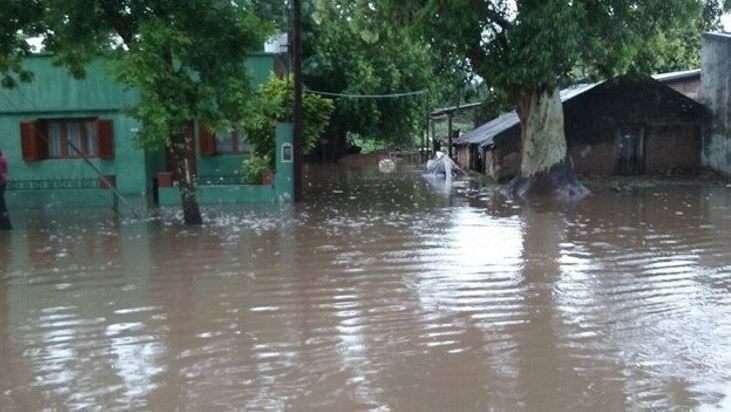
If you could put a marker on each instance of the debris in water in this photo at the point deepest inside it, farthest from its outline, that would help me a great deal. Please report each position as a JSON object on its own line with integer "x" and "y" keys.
{"x": 387, "y": 166}
{"x": 442, "y": 165}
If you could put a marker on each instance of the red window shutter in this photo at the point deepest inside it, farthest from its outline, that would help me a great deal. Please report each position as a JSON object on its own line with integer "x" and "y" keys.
{"x": 29, "y": 141}
{"x": 207, "y": 141}
{"x": 105, "y": 134}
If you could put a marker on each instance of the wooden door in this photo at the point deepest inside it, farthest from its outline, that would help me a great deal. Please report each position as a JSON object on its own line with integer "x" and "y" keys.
{"x": 630, "y": 149}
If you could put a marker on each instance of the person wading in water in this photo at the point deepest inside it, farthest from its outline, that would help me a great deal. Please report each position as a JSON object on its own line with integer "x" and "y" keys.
{"x": 4, "y": 217}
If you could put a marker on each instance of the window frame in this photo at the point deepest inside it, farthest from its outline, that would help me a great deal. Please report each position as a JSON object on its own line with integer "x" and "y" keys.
{"x": 236, "y": 140}
{"x": 66, "y": 151}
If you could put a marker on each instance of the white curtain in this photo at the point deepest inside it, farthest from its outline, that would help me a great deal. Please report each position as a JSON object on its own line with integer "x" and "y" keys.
{"x": 54, "y": 139}
{"x": 74, "y": 138}
{"x": 92, "y": 145}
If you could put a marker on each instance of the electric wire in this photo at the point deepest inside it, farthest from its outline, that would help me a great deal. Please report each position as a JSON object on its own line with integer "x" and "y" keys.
{"x": 368, "y": 96}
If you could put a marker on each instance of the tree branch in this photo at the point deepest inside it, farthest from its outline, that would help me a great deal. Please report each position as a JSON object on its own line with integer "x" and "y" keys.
{"x": 111, "y": 10}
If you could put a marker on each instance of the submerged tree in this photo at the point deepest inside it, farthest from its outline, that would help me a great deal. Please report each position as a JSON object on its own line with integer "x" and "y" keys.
{"x": 185, "y": 58}
{"x": 527, "y": 48}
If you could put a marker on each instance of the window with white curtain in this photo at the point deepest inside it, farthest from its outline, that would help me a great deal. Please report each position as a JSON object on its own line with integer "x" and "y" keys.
{"x": 70, "y": 138}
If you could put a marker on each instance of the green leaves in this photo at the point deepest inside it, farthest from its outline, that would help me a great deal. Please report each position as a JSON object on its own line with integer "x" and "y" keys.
{"x": 274, "y": 103}
{"x": 353, "y": 48}
{"x": 527, "y": 42}
{"x": 254, "y": 167}
{"x": 186, "y": 58}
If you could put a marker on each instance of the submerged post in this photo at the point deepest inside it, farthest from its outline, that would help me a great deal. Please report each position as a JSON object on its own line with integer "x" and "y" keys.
{"x": 449, "y": 134}
{"x": 433, "y": 141}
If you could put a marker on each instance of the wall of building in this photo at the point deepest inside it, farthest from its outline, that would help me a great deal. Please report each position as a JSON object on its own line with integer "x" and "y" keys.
{"x": 675, "y": 147}
{"x": 55, "y": 94}
{"x": 53, "y": 90}
{"x": 462, "y": 156}
{"x": 670, "y": 147}
{"x": 505, "y": 164}
{"x": 281, "y": 191}
{"x": 260, "y": 67}
{"x": 128, "y": 163}
{"x": 690, "y": 86}
{"x": 597, "y": 159}
{"x": 716, "y": 95}
{"x": 669, "y": 123}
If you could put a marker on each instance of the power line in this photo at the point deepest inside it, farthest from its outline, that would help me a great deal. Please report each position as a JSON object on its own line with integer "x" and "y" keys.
{"x": 369, "y": 96}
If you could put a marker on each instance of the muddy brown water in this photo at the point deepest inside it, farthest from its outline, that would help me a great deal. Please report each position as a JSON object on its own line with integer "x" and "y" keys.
{"x": 383, "y": 292}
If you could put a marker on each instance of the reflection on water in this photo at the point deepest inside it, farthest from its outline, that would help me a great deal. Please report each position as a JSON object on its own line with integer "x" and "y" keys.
{"x": 384, "y": 292}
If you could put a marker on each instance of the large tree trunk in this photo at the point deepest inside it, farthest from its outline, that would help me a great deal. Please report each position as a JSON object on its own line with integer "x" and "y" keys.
{"x": 182, "y": 146}
{"x": 545, "y": 167}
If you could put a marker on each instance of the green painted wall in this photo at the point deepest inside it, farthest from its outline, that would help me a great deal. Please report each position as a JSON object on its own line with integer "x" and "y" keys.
{"x": 54, "y": 90}
{"x": 260, "y": 66}
{"x": 284, "y": 178}
{"x": 128, "y": 163}
{"x": 281, "y": 191}
{"x": 17, "y": 199}
{"x": 55, "y": 94}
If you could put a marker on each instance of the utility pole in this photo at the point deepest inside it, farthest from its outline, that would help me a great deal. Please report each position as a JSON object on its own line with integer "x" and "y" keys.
{"x": 449, "y": 134}
{"x": 297, "y": 110}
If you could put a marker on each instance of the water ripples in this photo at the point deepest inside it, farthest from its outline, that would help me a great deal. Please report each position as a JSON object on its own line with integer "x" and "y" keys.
{"x": 395, "y": 297}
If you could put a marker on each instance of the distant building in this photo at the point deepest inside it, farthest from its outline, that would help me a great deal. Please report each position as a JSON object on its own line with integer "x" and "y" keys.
{"x": 716, "y": 95}
{"x": 49, "y": 125}
{"x": 624, "y": 126}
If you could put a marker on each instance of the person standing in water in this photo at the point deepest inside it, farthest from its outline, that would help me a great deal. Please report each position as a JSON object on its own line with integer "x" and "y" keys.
{"x": 4, "y": 217}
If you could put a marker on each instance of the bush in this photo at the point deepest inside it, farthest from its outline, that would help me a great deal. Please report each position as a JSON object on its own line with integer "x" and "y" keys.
{"x": 275, "y": 104}
{"x": 253, "y": 168}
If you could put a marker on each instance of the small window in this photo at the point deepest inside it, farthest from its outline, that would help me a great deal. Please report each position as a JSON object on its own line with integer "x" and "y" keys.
{"x": 232, "y": 142}
{"x": 287, "y": 153}
{"x": 72, "y": 138}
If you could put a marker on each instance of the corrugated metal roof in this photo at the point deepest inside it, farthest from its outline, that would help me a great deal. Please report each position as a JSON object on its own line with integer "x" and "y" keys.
{"x": 723, "y": 34}
{"x": 485, "y": 134}
{"x": 686, "y": 74}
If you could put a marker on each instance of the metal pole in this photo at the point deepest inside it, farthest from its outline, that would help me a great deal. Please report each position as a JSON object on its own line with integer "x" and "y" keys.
{"x": 433, "y": 137}
{"x": 425, "y": 133}
{"x": 297, "y": 117}
{"x": 449, "y": 134}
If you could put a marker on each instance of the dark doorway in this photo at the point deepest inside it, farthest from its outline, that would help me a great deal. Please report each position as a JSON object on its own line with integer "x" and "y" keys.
{"x": 475, "y": 158}
{"x": 630, "y": 147}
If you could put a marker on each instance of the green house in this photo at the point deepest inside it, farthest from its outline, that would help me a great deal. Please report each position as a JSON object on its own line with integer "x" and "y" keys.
{"x": 68, "y": 140}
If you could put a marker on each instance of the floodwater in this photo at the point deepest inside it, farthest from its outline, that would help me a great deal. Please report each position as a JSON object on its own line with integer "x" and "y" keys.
{"x": 383, "y": 292}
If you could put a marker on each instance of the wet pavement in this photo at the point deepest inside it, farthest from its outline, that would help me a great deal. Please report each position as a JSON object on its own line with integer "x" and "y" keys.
{"x": 383, "y": 292}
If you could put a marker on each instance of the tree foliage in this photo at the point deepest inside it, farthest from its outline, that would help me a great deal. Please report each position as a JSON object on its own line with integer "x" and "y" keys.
{"x": 514, "y": 43}
{"x": 186, "y": 58}
{"x": 352, "y": 48}
{"x": 275, "y": 103}
{"x": 19, "y": 17}
{"x": 678, "y": 47}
